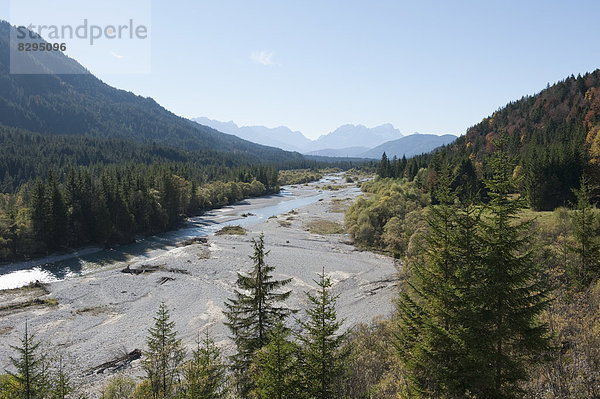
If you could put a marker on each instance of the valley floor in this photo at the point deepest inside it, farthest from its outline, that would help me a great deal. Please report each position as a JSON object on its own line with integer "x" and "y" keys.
{"x": 97, "y": 317}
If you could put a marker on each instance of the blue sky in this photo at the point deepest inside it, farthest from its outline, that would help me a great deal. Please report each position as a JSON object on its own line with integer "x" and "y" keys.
{"x": 428, "y": 66}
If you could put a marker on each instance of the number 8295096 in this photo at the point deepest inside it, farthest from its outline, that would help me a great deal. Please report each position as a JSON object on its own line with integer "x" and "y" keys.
{"x": 41, "y": 47}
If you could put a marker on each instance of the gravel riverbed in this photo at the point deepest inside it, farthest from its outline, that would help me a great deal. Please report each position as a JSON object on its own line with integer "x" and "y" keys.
{"x": 96, "y": 317}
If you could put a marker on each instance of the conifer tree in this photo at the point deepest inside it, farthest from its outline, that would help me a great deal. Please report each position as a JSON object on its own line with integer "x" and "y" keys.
{"x": 323, "y": 353}
{"x": 254, "y": 312}
{"x": 469, "y": 312}
{"x": 511, "y": 337}
{"x": 385, "y": 168}
{"x": 205, "y": 374}
{"x": 56, "y": 213}
{"x": 38, "y": 209}
{"x": 164, "y": 358}
{"x": 587, "y": 247}
{"x": 31, "y": 367}
{"x": 437, "y": 303}
{"x": 465, "y": 183}
{"x": 274, "y": 369}
{"x": 61, "y": 381}
{"x": 403, "y": 163}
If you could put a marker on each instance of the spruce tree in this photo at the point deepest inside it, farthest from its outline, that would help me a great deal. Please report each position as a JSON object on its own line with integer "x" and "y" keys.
{"x": 465, "y": 183}
{"x": 468, "y": 314}
{"x": 403, "y": 163}
{"x": 274, "y": 370}
{"x": 205, "y": 374}
{"x": 56, "y": 213}
{"x": 323, "y": 353}
{"x": 164, "y": 358}
{"x": 61, "y": 381}
{"x": 587, "y": 245}
{"x": 38, "y": 210}
{"x": 385, "y": 168}
{"x": 253, "y": 313}
{"x": 31, "y": 368}
{"x": 511, "y": 337}
{"x": 435, "y": 308}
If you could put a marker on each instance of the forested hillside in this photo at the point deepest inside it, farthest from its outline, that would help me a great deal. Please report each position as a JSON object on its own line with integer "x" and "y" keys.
{"x": 25, "y": 156}
{"x": 489, "y": 277}
{"x": 553, "y": 135}
{"x": 81, "y": 104}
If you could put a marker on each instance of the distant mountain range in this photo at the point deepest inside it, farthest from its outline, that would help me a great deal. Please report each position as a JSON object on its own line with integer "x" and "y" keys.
{"x": 283, "y": 137}
{"x": 280, "y": 137}
{"x": 357, "y": 136}
{"x": 83, "y": 105}
{"x": 353, "y": 141}
{"x": 409, "y": 146}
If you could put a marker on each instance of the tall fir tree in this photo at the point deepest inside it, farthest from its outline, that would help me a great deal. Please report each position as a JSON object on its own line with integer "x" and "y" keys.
{"x": 254, "y": 313}
{"x": 465, "y": 183}
{"x": 586, "y": 268}
{"x": 469, "y": 310}
{"x": 38, "y": 210}
{"x": 164, "y": 358}
{"x": 61, "y": 381}
{"x": 31, "y": 376}
{"x": 511, "y": 336}
{"x": 469, "y": 249}
{"x": 56, "y": 213}
{"x": 435, "y": 308}
{"x": 323, "y": 352}
{"x": 385, "y": 168}
{"x": 274, "y": 370}
{"x": 403, "y": 163}
{"x": 205, "y": 374}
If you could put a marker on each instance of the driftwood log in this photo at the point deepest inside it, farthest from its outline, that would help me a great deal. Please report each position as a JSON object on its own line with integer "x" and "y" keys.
{"x": 192, "y": 241}
{"x": 117, "y": 364}
{"x": 163, "y": 280}
{"x": 141, "y": 269}
{"x": 151, "y": 269}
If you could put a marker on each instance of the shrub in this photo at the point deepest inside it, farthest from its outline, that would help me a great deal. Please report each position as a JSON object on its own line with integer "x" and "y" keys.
{"x": 119, "y": 387}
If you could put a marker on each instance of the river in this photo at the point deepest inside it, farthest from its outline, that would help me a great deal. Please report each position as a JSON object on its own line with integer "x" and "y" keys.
{"x": 86, "y": 260}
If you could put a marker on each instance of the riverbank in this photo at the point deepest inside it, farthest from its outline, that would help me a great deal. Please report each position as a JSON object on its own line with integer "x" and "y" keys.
{"x": 91, "y": 259}
{"x": 100, "y": 315}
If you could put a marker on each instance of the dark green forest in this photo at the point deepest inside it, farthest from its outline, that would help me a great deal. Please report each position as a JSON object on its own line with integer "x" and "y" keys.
{"x": 63, "y": 191}
{"x": 553, "y": 137}
{"x": 25, "y": 156}
{"x": 114, "y": 204}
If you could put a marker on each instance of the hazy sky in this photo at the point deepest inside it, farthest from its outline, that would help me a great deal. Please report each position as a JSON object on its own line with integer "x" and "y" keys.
{"x": 427, "y": 66}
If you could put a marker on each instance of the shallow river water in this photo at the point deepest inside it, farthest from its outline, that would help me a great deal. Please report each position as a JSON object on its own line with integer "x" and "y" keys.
{"x": 85, "y": 260}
